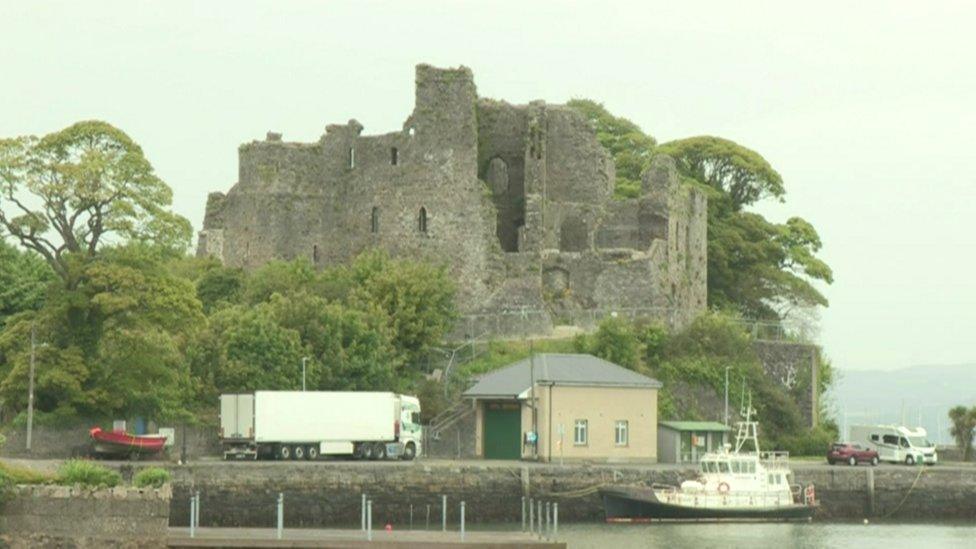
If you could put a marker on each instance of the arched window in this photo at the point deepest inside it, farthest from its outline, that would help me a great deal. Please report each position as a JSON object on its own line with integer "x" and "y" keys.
{"x": 422, "y": 220}
{"x": 374, "y": 220}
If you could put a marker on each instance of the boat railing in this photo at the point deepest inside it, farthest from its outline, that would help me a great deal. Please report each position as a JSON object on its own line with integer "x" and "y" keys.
{"x": 797, "y": 491}
{"x": 775, "y": 459}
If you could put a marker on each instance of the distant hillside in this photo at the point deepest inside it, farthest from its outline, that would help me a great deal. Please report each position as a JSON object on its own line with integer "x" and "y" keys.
{"x": 920, "y": 394}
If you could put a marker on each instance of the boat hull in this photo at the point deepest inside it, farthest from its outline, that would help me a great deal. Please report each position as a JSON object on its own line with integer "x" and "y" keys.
{"x": 632, "y": 504}
{"x": 107, "y": 443}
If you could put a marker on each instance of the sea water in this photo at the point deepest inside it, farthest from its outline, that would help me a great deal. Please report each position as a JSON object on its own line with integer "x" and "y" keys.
{"x": 761, "y": 535}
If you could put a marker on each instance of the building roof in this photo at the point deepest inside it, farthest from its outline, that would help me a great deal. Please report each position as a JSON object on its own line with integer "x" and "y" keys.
{"x": 557, "y": 369}
{"x": 695, "y": 425}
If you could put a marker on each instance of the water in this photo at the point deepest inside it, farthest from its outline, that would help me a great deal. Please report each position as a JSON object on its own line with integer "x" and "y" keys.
{"x": 778, "y": 535}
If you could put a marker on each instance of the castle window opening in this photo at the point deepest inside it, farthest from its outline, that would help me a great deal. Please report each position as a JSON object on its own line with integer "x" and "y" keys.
{"x": 394, "y": 156}
{"x": 315, "y": 253}
{"x": 374, "y": 220}
{"x": 422, "y": 220}
{"x": 352, "y": 157}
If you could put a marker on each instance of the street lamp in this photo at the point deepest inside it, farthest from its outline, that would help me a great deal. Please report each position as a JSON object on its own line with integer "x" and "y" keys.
{"x": 727, "y": 395}
{"x": 304, "y": 360}
{"x": 30, "y": 386}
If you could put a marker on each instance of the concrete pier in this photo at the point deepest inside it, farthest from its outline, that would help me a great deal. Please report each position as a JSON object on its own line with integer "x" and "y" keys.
{"x": 406, "y": 539}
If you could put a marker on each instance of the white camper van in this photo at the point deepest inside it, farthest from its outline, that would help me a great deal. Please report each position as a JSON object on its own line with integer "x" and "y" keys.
{"x": 306, "y": 425}
{"x": 896, "y": 443}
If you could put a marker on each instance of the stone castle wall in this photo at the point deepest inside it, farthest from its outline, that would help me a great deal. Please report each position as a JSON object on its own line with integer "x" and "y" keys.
{"x": 517, "y": 200}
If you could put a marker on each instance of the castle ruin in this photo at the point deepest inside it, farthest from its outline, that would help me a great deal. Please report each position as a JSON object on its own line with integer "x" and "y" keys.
{"x": 517, "y": 201}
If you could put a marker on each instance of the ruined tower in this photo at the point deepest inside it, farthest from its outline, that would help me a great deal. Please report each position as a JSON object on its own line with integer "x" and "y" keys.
{"x": 517, "y": 200}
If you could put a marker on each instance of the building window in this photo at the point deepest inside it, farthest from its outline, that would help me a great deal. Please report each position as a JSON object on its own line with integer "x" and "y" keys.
{"x": 352, "y": 157}
{"x": 422, "y": 220}
{"x": 581, "y": 432}
{"x": 394, "y": 156}
{"x": 620, "y": 433}
{"x": 374, "y": 220}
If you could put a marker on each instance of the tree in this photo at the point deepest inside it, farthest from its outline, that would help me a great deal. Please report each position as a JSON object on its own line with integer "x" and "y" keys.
{"x": 114, "y": 342}
{"x": 740, "y": 173}
{"x": 755, "y": 267}
{"x": 71, "y": 191}
{"x": 963, "y": 429}
{"x": 417, "y": 298}
{"x": 615, "y": 340}
{"x": 24, "y": 278}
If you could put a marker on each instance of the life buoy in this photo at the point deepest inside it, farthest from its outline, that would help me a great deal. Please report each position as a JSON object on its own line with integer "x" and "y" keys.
{"x": 723, "y": 488}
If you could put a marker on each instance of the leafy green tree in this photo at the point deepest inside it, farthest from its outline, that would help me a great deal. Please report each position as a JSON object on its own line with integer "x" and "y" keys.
{"x": 24, "y": 278}
{"x": 758, "y": 268}
{"x": 963, "y": 429}
{"x": 349, "y": 349}
{"x": 630, "y": 146}
{"x": 63, "y": 195}
{"x": 615, "y": 340}
{"x": 114, "y": 342}
{"x": 417, "y": 298}
{"x": 220, "y": 285}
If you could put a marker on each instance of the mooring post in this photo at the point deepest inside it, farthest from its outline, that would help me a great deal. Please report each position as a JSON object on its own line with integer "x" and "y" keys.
{"x": 193, "y": 505}
{"x": 870, "y": 483}
{"x": 362, "y": 514}
{"x": 531, "y": 515}
{"x": 548, "y": 518}
{"x": 538, "y": 514}
{"x": 444, "y": 513}
{"x": 427, "y": 525}
{"x": 462, "y": 520}
{"x": 369, "y": 520}
{"x": 411, "y": 516}
{"x": 555, "y": 519}
{"x": 196, "y": 511}
{"x": 281, "y": 513}
{"x": 523, "y": 513}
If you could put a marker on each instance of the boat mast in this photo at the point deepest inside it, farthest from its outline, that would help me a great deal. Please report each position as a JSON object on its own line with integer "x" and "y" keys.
{"x": 747, "y": 429}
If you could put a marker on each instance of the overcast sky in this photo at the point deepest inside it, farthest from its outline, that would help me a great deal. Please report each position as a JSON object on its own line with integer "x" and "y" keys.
{"x": 868, "y": 109}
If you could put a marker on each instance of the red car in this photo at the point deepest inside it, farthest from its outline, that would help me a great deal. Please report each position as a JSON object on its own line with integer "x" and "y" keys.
{"x": 852, "y": 454}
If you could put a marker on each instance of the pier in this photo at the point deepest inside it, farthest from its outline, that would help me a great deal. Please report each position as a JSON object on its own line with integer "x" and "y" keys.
{"x": 309, "y": 537}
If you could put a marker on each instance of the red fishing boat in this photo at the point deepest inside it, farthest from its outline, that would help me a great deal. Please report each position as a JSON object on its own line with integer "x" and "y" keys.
{"x": 120, "y": 443}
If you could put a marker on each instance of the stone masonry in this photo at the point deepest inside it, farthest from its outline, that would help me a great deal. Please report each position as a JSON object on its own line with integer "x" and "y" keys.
{"x": 516, "y": 200}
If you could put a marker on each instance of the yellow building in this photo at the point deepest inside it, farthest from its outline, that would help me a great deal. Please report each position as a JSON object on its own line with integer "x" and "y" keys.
{"x": 572, "y": 407}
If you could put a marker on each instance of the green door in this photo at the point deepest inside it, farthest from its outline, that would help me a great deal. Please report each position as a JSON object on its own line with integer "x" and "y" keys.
{"x": 502, "y": 428}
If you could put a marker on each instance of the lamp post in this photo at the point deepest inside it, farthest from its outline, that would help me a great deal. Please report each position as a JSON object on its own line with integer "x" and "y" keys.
{"x": 304, "y": 360}
{"x": 30, "y": 389}
{"x": 727, "y": 395}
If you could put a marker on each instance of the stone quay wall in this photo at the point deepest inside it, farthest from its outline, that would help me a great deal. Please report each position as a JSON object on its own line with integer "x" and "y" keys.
{"x": 62, "y": 516}
{"x": 328, "y": 494}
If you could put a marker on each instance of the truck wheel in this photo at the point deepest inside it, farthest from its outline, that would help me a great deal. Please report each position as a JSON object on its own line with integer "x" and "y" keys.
{"x": 366, "y": 451}
{"x": 852, "y": 461}
{"x": 284, "y": 452}
{"x": 410, "y": 452}
{"x": 380, "y": 451}
{"x": 299, "y": 452}
{"x": 910, "y": 460}
{"x": 312, "y": 452}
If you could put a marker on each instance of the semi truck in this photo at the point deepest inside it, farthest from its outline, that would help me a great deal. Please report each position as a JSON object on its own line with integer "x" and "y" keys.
{"x": 896, "y": 443}
{"x": 300, "y": 425}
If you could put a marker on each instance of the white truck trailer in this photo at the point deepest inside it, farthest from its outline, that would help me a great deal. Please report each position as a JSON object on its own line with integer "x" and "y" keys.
{"x": 896, "y": 443}
{"x": 307, "y": 425}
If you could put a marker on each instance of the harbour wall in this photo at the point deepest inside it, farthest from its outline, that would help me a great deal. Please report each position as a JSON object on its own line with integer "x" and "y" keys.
{"x": 62, "y": 516}
{"x": 329, "y": 494}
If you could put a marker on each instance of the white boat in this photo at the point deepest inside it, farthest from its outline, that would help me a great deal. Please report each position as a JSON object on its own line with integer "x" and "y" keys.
{"x": 738, "y": 484}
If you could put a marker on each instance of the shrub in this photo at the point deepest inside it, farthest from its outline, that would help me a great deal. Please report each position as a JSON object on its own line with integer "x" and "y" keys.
{"x": 152, "y": 477}
{"x": 88, "y": 474}
{"x": 22, "y": 475}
